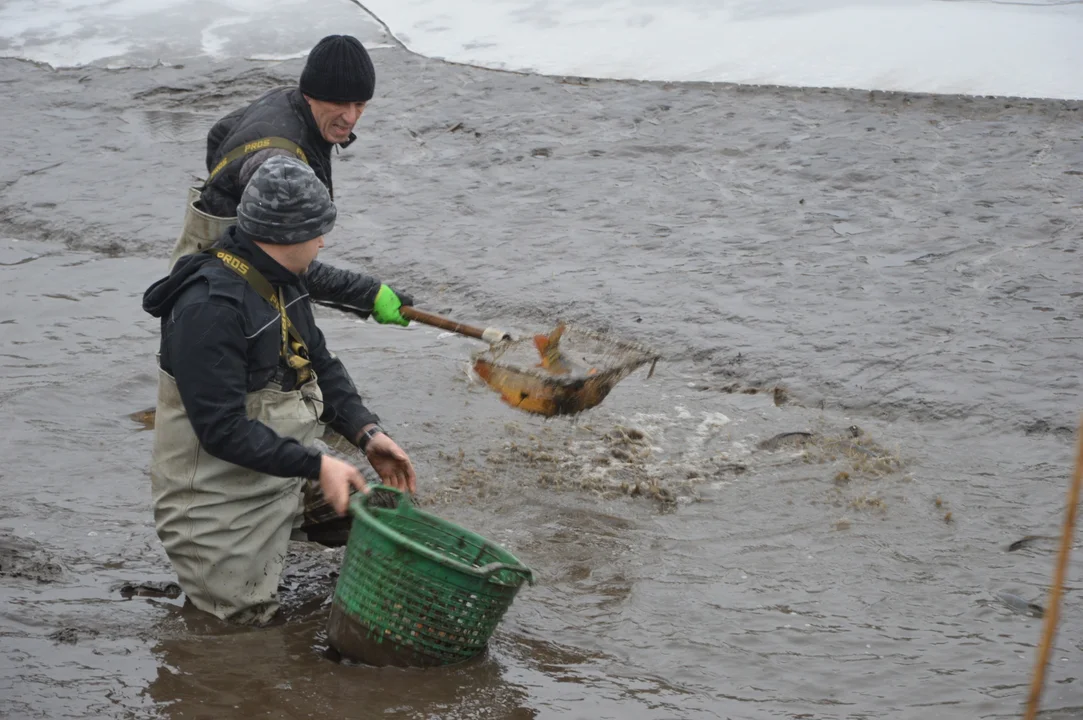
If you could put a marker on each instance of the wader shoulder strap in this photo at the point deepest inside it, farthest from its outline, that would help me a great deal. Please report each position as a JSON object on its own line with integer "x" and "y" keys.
{"x": 256, "y": 145}
{"x": 295, "y": 353}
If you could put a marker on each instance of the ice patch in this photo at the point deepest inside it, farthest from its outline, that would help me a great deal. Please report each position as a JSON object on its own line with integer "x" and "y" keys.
{"x": 114, "y": 33}
{"x": 979, "y": 47}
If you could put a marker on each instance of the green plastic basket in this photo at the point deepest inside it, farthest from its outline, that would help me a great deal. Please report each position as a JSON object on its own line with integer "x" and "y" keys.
{"x": 416, "y": 590}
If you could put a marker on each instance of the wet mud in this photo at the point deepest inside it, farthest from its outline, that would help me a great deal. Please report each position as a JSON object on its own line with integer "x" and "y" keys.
{"x": 870, "y": 318}
{"x": 22, "y": 559}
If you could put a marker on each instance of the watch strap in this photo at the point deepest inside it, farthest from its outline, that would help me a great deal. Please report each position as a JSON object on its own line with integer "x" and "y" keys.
{"x": 368, "y": 435}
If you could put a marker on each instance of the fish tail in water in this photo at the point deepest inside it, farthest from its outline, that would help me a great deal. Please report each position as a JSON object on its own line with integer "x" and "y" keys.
{"x": 1028, "y": 540}
{"x": 1020, "y": 605}
{"x": 549, "y": 348}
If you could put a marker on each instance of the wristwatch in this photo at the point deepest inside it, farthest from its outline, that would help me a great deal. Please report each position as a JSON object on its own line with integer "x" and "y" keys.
{"x": 363, "y": 441}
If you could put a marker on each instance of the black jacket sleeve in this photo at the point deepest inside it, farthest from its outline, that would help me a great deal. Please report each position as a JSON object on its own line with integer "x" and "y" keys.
{"x": 343, "y": 289}
{"x": 208, "y": 357}
{"x": 346, "y": 411}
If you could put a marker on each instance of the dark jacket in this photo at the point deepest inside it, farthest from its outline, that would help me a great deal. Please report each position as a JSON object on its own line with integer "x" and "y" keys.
{"x": 221, "y": 340}
{"x": 283, "y": 112}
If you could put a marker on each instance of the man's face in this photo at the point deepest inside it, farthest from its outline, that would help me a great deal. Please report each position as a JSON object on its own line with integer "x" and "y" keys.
{"x": 307, "y": 252}
{"x": 297, "y": 257}
{"x": 335, "y": 120}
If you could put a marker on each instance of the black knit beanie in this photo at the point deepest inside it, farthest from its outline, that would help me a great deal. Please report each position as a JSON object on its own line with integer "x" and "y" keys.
{"x": 339, "y": 70}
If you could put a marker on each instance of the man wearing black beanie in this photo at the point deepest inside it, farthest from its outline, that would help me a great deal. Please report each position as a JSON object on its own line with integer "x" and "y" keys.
{"x": 304, "y": 122}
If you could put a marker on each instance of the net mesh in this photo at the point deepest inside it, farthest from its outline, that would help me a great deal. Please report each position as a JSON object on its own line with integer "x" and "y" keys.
{"x": 589, "y": 365}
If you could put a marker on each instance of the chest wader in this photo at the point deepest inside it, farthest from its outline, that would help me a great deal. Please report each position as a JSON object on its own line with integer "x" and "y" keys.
{"x": 226, "y": 528}
{"x": 202, "y": 230}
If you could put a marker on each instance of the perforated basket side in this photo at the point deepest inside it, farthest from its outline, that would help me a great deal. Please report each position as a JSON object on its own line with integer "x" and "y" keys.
{"x": 399, "y": 601}
{"x": 413, "y": 605}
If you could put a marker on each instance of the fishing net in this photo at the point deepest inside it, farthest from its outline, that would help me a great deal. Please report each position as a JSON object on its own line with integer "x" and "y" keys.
{"x": 576, "y": 371}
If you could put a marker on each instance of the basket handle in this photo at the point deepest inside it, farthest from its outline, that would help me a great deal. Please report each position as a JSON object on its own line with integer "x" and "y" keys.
{"x": 403, "y": 500}
{"x": 495, "y": 567}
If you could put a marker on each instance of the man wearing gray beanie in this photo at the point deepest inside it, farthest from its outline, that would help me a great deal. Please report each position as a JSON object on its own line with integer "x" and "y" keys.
{"x": 246, "y": 384}
{"x": 306, "y": 122}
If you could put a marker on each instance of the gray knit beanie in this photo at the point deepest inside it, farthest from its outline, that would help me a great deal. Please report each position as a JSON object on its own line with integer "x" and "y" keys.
{"x": 285, "y": 203}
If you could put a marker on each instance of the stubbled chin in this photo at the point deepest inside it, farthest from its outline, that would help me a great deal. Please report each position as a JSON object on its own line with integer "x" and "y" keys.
{"x": 334, "y": 135}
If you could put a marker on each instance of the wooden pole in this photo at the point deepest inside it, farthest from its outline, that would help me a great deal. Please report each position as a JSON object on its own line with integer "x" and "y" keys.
{"x": 1050, "y": 627}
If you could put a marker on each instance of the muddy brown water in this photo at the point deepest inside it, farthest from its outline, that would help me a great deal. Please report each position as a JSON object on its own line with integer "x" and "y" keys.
{"x": 806, "y": 260}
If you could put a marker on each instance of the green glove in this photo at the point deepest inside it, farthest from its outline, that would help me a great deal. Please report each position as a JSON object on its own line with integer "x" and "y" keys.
{"x": 386, "y": 307}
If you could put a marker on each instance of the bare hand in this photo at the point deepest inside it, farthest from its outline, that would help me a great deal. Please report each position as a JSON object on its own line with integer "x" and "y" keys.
{"x": 391, "y": 463}
{"x": 336, "y": 479}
